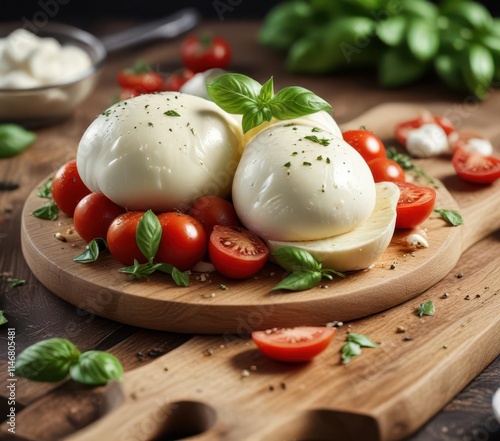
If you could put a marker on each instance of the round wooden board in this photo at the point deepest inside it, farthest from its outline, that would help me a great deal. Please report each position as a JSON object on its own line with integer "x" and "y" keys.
{"x": 244, "y": 306}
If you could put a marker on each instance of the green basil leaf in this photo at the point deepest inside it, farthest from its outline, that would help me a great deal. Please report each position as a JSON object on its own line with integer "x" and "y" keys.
{"x": 426, "y": 308}
{"x": 14, "y": 139}
{"x": 47, "y": 360}
{"x": 254, "y": 117}
{"x": 92, "y": 250}
{"x": 3, "y": 319}
{"x": 148, "y": 235}
{"x": 361, "y": 340}
{"x": 422, "y": 39}
{"x": 349, "y": 351}
{"x": 49, "y": 211}
{"x": 14, "y": 283}
{"x": 398, "y": 68}
{"x": 96, "y": 367}
{"x": 293, "y": 102}
{"x": 469, "y": 14}
{"x": 451, "y": 216}
{"x": 392, "y": 30}
{"x": 479, "y": 69}
{"x": 300, "y": 280}
{"x": 449, "y": 69}
{"x": 267, "y": 92}
{"x": 180, "y": 278}
{"x": 234, "y": 93}
{"x": 420, "y": 8}
{"x": 295, "y": 259}
{"x": 140, "y": 270}
{"x": 303, "y": 56}
{"x": 45, "y": 191}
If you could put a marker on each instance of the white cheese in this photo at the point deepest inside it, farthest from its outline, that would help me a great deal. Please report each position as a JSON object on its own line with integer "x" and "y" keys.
{"x": 426, "y": 141}
{"x": 479, "y": 145}
{"x": 288, "y": 187}
{"x": 417, "y": 241}
{"x": 362, "y": 247}
{"x": 142, "y": 158}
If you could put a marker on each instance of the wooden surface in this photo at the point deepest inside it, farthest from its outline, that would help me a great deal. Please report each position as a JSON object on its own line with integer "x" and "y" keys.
{"x": 251, "y": 408}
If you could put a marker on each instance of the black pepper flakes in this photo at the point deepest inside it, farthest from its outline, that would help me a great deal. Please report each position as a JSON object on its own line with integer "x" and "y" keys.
{"x": 467, "y": 297}
{"x": 459, "y": 275}
{"x": 407, "y": 338}
{"x": 444, "y": 296}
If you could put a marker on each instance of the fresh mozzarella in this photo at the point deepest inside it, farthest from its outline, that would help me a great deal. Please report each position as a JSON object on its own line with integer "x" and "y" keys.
{"x": 479, "y": 145}
{"x": 360, "y": 248}
{"x": 288, "y": 187}
{"x": 142, "y": 158}
{"x": 197, "y": 85}
{"x": 417, "y": 240}
{"x": 426, "y": 141}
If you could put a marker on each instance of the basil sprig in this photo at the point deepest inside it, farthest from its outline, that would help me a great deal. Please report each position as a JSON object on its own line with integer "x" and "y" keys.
{"x": 91, "y": 253}
{"x": 353, "y": 345}
{"x": 306, "y": 271}
{"x": 451, "y": 216}
{"x": 14, "y": 139}
{"x": 242, "y": 95}
{"x": 50, "y": 210}
{"x": 54, "y": 359}
{"x": 148, "y": 237}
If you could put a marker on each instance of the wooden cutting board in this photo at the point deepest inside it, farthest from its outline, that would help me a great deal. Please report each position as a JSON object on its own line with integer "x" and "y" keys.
{"x": 204, "y": 307}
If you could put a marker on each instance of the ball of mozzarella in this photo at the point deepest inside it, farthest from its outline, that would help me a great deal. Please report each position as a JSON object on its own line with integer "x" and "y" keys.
{"x": 289, "y": 187}
{"x": 160, "y": 151}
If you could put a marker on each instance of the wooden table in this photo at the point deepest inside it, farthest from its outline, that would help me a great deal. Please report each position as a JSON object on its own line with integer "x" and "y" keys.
{"x": 36, "y": 314}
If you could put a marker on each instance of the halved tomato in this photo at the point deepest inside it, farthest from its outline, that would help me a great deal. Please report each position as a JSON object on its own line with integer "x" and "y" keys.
{"x": 294, "y": 345}
{"x": 474, "y": 167}
{"x": 236, "y": 252}
{"x": 415, "y": 204}
{"x": 402, "y": 129}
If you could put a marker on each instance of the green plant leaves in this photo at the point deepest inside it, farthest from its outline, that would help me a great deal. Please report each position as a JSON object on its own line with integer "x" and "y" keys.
{"x": 422, "y": 39}
{"x": 453, "y": 217}
{"x": 14, "y": 139}
{"x": 393, "y": 30}
{"x": 148, "y": 235}
{"x": 478, "y": 69}
{"x": 292, "y": 102}
{"x": 234, "y": 92}
{"x": 96, "y": 367}
{"x": 398, "y": 68}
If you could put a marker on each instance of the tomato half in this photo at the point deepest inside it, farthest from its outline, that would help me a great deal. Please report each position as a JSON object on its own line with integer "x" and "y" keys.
{"x": 384, "y": 169}
{"x": 213, "y": 210}
{"x": 176, "y": 79}
{"x": 402, "y": 129}
{"x": 140, "y": 78}
{"x": 183, "y": 241}
{"x": 415, "y": 204}
{"x": 121, "y": 238}
{"x": 68, "y": 188}
{"x": 366, "y": 143}
{"x": 200, "y": 53}
{"x": 236, "y": 252}
{"x": 474, "y": 167}
{"x": 294, "y": 345}
{"x": 93, "y": 216}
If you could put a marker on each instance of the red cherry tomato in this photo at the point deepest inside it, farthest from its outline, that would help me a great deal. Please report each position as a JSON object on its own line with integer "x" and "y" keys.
{"x": 125, "y": 94}
{"x": 200, "y": 53}
{"x": 93, "y": 216}
{"x": 384, "y": 169}
{"x": 366, "y": 143}
{"x": 121, "y": 238}
{"x": 294, "y": 345}
{"x": 415, "y": 204}
{"x": 183, "y": 241}
{"x": 140, "y": 79}
{"x": 213, "y": 210}
{"x": 68, "y": 188}
{"x": 403, "y": 128}
{"x": 177, "y": 79}
{"x": 236, "y": 252}
{"x": 473, "y": 167}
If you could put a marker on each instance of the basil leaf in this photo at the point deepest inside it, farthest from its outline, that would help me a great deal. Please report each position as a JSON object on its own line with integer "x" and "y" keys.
{"x": 422, "y": 39}
{"x": 47, "y": 360}
{"x": 140, "y": 270}
{"x": 469, "y": 14}
{"x": 180, "y": 278}
{"x": 92, "y": 250}
{"x": 3, "y": 319}
{"x": 451, "y": 216}
{"x": 49, "y": 211}
{"x": 267, "y": 91}
{"x": 96, "y": 367}
{"x": 397, "y": 68}
{"x": 148, "y": 235}
{"x": 426, "y": 309}
{"x": 14, "y": 283}
{"x": 361, "y": 340}
{"x": 299, "y": 280}
{"x": 392, "y": 30}
{"x": 254, "y": 117}
{"x": 479, "y": 69}
{"x": 420, "y": 8}
{"x": 349, "y": 351}
{"x": 45, "y": 191}
{"x": 234, "y": 93}
{"x": 449, "y": 69}
{"x": 14, "y": 139}
{"x": 293, "y": 102}
{"x": 294, "y": 258}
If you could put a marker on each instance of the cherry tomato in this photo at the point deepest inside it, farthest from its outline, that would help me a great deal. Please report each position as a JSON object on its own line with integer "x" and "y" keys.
{"x": 213, "y": 210}
{"x": 366, "y": 143}
{"x": 415, "y": 204}
{"x": 384, "y": 169}
{"x": 294, "y": 345}
{"x": 121, "y": 238}
{"x": 200, "y": 53}
{"x": 126, "y": 93}
{"x": 403, "y": 128}
{"x": 68, "y": 188}
{"x": 236, "y": 252}
{"x": 93, "y": 216}
{"x": 474, "y": 167}
{"x": 183, "y": 241}
{"x": 177, "y": 79}
{"x": 140, "y": 79}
